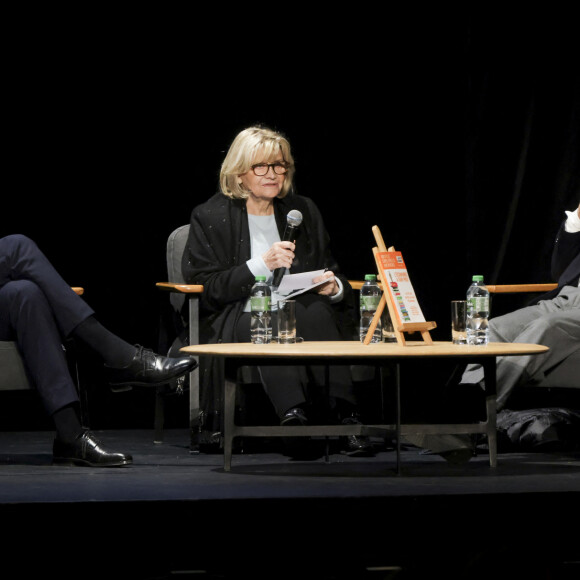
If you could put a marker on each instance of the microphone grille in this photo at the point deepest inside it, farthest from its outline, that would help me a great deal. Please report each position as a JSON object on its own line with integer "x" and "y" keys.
{"x": 294, "y": 218}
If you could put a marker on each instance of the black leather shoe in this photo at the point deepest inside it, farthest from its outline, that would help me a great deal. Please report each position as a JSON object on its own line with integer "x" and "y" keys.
{"x": 148, "y": 369}
{"x": 298, "y": 447}
{"x": 87, "y": 451}
{"x": 356, "y": 445}
{"x": 295, "y": 416}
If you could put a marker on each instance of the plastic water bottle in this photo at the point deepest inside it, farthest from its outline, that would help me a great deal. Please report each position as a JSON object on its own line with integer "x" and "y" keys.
{"x": 477, "y": 312}
{"x": 261, "y": 319}
{"x": 370, "y": 296}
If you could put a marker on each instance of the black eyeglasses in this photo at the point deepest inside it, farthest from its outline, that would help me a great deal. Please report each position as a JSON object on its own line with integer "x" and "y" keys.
{"x": 261, "y": 169}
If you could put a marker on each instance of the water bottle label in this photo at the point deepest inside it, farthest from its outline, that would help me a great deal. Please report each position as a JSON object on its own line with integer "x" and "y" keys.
{"x": 260, "y": 303}
{"x": 369, "y": 302}
{"x": 479, "y": 303}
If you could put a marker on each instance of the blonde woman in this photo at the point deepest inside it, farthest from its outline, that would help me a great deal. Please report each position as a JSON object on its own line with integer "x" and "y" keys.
{"x": 237, "y": 235}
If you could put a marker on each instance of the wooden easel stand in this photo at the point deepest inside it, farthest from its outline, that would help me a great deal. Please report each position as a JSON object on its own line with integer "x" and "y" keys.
{"x": 399, "y": 327}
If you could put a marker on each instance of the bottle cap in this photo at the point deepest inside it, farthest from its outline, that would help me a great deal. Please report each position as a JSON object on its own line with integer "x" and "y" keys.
{"x": 370, "y": 277}
{"x": 260, "y": 278}
{"x": 477, "y": 278}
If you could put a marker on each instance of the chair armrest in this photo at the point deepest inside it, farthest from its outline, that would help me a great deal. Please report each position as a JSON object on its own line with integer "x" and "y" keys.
{"x": 496, "y": 288}
{"x": 358, "y": 284}
{"x": 182, "y": 288}
{"x": 514, "y": 288}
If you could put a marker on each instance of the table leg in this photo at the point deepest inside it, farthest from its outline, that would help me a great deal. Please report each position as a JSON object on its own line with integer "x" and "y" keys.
{"x": 229, "y": 417}
{"x": 398, "y": 413}
{"x": 327, "y": 389}
{"x": 489, "y": 370}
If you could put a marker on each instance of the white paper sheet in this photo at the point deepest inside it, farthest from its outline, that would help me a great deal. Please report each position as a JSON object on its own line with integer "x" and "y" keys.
{"x": 295, "y": 284}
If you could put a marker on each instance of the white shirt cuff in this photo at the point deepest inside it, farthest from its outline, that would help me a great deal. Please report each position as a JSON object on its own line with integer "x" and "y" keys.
{"x": 338, "y": 296}
{"x": 258, "y": 267}
{"x": 572, "y": 224}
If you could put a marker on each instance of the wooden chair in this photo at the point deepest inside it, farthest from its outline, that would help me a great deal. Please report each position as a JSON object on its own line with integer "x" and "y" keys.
{"x": 13, "y": 375}
{"x": 181, "y": 294}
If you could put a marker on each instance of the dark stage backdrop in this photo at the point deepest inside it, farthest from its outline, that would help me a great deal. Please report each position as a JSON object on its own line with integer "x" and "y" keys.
{"x": 460, "y": 141}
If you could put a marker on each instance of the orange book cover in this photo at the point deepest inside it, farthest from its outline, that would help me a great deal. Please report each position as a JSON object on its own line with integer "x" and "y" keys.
{"x": 396, "y": 280}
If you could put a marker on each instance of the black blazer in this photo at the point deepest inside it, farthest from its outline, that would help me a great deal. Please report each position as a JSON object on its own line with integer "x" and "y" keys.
{"x": 215, "y": 256}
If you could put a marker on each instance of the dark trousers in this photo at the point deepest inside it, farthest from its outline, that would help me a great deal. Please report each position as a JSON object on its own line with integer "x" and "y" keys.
{"x": 288, "y": 386}
{"x": 38, "y": 309}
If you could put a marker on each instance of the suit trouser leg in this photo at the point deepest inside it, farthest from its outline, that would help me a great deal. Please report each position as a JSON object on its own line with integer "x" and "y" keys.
{"x": 21, "y": 259}
{"x": 554, "y": 323}
{"x": 27, "y": 318}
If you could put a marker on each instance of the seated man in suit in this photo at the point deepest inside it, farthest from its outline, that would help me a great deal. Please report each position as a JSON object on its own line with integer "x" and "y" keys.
{"x": 552, "y": 320}
{"x": 37, "y": 310}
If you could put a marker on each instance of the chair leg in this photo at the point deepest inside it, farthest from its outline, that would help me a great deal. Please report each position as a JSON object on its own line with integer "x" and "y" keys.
{"x": 195, "y": 426}
{"x": 159, "y": 416}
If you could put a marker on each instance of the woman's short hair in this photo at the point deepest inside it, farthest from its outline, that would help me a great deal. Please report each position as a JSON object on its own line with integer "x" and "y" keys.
{"x": 254, "y": 145}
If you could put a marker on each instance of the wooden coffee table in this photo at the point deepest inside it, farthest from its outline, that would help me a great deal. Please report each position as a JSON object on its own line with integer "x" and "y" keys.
{"x": 356, "y": 353}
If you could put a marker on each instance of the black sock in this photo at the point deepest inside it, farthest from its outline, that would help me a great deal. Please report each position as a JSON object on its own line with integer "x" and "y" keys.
{"x": 114, "y": 351}
{"x": 67, "y": 423}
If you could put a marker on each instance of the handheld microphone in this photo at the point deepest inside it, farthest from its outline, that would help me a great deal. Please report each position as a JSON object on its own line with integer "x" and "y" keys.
{"x": 293, "y": 220}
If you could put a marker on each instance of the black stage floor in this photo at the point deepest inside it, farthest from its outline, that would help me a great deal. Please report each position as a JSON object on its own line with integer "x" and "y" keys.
{"x": 173, "y": 514}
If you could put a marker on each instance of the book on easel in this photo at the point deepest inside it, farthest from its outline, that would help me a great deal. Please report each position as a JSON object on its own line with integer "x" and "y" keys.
{"x": 396, "y": 281}
{"x": 398, "y": 295}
